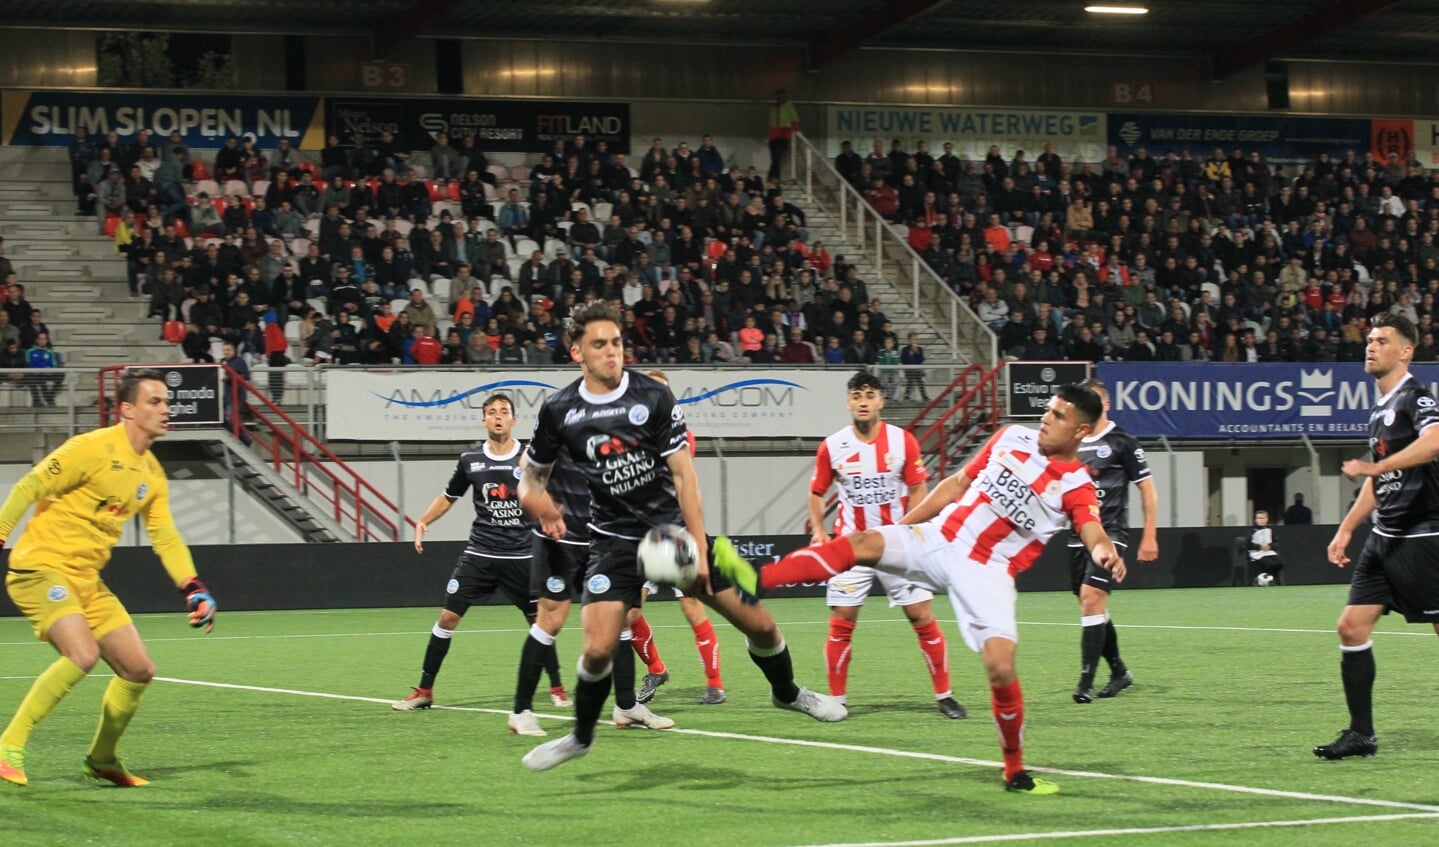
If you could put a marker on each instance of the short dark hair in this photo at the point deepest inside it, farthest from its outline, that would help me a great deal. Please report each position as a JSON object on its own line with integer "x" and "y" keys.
{"x": 497, "y": 397}
{"x": 863, "y": 380}
{"x": 128, "y": 389}
{"x": 590, "y": 313}
{"x": 1401, "y": 325}
{"x": 1084, "y": 400}
{"x": 1095, "y": 384}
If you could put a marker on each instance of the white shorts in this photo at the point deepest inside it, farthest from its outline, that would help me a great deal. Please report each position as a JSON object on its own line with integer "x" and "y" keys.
{"x": 851, "y": 587}
{"x": 983, "y": 596}
{"x": 654, "y": 588}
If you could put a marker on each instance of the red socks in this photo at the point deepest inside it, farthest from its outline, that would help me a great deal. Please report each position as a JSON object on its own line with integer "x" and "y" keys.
{"x": 931, "y": 644}
{"x": 837, "y": 653}
{"x": 1008, "y": 705}
{"x": 644, "y": 644}
{"x": 708, "y": 646}
{"x": 810, "y": 564}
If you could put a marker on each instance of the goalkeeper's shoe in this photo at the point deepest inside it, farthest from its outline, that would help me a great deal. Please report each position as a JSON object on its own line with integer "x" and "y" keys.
{"x": 735, "y": 568}
{"x": 1116, "y": 684}
{"x": 554, "y": 753}
{"x": 420, "y": 698}
{"x": 113, "y": 772}
{"x": 651, "y": 684}
{"x": 640, "y": 716}
{"x": 1349, "y": 743}
{"x": 821, "y": 707}
{"x": 1023, "y": 782}
{"x": 12, "y": 765}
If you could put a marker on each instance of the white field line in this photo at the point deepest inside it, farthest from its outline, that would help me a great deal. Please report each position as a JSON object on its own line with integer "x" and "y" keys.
{"x": 881, "y": 751}
{"x": 1156, "y": 830}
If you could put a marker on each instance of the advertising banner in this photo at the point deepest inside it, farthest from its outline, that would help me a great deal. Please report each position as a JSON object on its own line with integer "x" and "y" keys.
{"x": 436, "y": 405}
{"x": 1274, "y": 136}
{"x": 195, "y": 394}
{"x": 1277, "y": 400}
{"x": 49, "y": 118}
{"x": 1029, "y": 385}
{"x": 499, "y": 126}
{"x": 1075, "y": 135}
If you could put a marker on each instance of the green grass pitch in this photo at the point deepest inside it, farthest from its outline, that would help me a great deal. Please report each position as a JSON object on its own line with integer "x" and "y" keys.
{"x": 1234, "y": 686}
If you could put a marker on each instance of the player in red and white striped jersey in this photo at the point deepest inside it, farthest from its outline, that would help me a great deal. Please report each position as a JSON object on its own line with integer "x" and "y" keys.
{"x": 879, "y": 472}
{"x": 971, "y": 535}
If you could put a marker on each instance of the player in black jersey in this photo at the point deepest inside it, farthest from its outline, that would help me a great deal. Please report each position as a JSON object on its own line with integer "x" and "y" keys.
{"x": 497, "y": 555}
{"x": 1399, "y": 566}
{"x": 1114, "y": 460}
{"x": 626, "y": 435}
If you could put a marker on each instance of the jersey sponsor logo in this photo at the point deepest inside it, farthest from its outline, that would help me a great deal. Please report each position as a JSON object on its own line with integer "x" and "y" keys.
{"x": 601, "y": 447}
{"x": 677, "y": 414}
{"x": 1424, "y": 403}
{"x": 452, "y": 586}
{"x": 476, "y": 466}
{"x": 554, "y": 585}
{"x": 1011, "y": 497}
{"x": 574, "y": 416}
{"x": 52, "y": 467}
{"x": 1139, "y": 454}
{"x": 1104, "y": 452}
{"x": 639, "y": 415}
{"x": 500, "y": 500}
{"x": 117, "y": 465}
{"x": 57, "y": 593}
{"x": 1379, "y": 446}
{"x": 1388, "y": 483}
{"x": 142, "y": 491}
{"x": 598, "y": 584}
{"x": 851, "y": 468}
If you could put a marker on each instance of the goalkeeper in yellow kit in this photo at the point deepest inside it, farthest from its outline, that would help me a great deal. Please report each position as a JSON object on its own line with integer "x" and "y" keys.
{"x": 84, "y": 493}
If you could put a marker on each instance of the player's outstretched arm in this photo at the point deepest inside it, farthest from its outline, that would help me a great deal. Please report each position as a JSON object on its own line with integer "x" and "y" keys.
{"x": 1422, "y": 451}
{"x": 438, "y": 508}
{"x": 687, "y": 488}
{"x": 948, "y": 491}
{"x": 1102, "y": 550}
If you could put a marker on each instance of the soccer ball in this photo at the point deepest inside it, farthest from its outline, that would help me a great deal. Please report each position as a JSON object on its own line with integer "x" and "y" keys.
{"x": 668, "y": 554}
{"x": 1264, "y": 580}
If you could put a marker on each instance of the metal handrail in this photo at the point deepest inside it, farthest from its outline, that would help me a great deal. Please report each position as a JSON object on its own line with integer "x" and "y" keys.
{"x": 977, "y": 410}
{"x": 968, "y": 336}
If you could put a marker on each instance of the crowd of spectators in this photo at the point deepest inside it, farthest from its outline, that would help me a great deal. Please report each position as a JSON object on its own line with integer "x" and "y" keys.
{"x": 367, "y": 258}
{"x": 1180, "y": 257}
{"x": 25, "y": 342}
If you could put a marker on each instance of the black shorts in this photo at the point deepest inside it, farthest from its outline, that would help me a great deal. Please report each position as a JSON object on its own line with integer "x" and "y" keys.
{"x": 476, "y": 578}
{"x": 1083, "y": 571}
{"x": 557, "y": 569}
{"x": 1400, "y": 574}
{"x": 614, "y": 571}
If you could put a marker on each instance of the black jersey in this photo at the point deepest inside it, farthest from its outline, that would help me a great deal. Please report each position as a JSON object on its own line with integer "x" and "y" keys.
{"x": 500, "y": 529}
{"x": 619, "y": 442}
{"x": 571, "y": 492}
{"x": 1408, "y": 500}
{"x": 1115, "y": 461}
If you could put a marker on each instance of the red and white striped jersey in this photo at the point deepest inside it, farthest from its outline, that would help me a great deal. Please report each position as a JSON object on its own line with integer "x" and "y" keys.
{"x": 874, "y": 478}
{"x": 1017, "y": 500}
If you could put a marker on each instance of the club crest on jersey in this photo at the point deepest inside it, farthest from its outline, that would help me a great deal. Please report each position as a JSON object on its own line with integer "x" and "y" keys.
{"x": 598, "y": 584}
{"x": 893, "y": 460}
{"x": 554, "y": 585}
{"x": 1388, "y": 417}
{"x": 1052, "y": 489}
{"x": 519, "y": 471}
{"x": 57, "y": 593}
{"x": 452, "y": 586}
{"x": 1104, "y": 452}
{"x": 142, "y": 491}
{"x": 639, "y": 415}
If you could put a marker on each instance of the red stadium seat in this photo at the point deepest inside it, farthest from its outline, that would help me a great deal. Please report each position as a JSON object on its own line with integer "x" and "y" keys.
{"x": 220, "y": 205}
{"x": 310, "y": 168}
{"x": 434, "y": 191}
{"x": 715, "y": 249}
{"x": 198, "y": 171}
{"x": 249, "y": 204}
{"x": 181, "y": 229}
{"x": 452, "y": 191}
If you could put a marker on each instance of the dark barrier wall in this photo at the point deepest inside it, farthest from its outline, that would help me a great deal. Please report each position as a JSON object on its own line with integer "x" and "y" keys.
{"x": 328, "y": 576}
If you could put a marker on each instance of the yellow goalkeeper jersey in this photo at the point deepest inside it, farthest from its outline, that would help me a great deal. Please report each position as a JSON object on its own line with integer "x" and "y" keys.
{"x": 84, "y": 492}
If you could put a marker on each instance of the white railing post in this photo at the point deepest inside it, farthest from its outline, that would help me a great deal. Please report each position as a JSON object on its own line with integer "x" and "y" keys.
{"x": 843, "y": 212}
{"x": 879, "y": 244}
{"x": 809, "y": 170}
{"x": 915, "y": 280}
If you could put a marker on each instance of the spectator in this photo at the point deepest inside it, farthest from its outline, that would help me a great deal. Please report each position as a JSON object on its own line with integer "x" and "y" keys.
{"x": 1264, "y": 550}
{"x": 43, "y": 386}
{"x": 8, "y": 331}
{"x": 1040, "y": 349}
{"x": 797, "y": 351}
{"x": 888, "y": 360}
{"x": 511, "y": 352}
{"x": 16, "y": 306}
{"x": 783, "y": 124}
{"x": 1298, "y": 514}
{"x": 12, "y": 359}
{"x": 424, "y": 348}
{"x": 445, "y": 160}
{"x": 859, "y": 351}
{"x": 110, "y": 197}
{"x": 419, "y": 314}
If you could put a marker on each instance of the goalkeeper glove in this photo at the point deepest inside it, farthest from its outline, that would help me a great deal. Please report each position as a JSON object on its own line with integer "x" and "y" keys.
{"x": 200, "y": 603}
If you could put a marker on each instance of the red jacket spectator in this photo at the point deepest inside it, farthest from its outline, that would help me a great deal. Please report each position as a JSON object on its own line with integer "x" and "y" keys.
{"x": 920, "y": 236}
{"x": 883, "y": 199}
{"x": 796, "y": 353}
{"x": 427, "y": 350}
{"x": 997, "y": 237}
